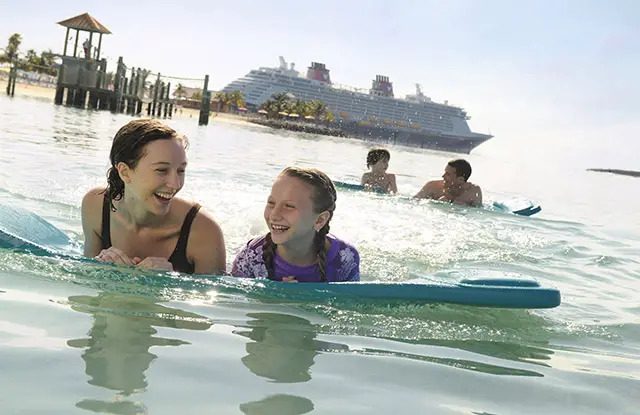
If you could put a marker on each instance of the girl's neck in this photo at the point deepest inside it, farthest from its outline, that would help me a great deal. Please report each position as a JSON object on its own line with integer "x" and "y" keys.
{"x": 299, "y": 253}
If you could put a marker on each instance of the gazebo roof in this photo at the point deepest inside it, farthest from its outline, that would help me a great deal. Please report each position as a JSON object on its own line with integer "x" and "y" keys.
{"x": 85, "y": 22}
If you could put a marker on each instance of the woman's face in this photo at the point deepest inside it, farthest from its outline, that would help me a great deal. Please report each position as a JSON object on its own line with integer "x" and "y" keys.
{"x": 159, "y": 175}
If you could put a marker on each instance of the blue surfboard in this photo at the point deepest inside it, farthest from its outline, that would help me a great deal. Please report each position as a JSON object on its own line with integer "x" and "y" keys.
{"x": 515, "y": 206}
{"x": 23, "y": 230}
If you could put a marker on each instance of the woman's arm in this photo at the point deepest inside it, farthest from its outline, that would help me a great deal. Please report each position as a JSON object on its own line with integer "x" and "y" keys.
{"x": 92, "y": 221}
{"x": 206, "y": 245}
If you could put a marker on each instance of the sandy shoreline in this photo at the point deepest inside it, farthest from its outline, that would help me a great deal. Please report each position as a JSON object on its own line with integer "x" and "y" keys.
{"x": 37, "y": 91}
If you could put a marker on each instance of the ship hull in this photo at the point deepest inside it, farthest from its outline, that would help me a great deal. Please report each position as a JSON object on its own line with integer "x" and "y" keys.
{"x": 433, "y": 141}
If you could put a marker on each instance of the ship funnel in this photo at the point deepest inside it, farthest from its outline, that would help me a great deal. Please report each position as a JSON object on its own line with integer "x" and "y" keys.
{"x": 319, "y": 72}
{"x": 381, "y": 86}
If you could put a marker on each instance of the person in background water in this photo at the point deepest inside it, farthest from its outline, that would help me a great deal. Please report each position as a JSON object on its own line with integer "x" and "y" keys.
{"x": 298, "y": 247}
{"x": 378, "y": 179}
{"x": 454, "y": 187}
{"x": 137, "y": 220}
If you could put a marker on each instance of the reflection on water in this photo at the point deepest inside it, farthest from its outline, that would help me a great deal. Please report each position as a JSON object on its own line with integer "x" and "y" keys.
{"x": 502, "y": 350}
{"x": 117, "y": 350}
{"x": 278, "y": 404}
{"x": 283, "y": 347}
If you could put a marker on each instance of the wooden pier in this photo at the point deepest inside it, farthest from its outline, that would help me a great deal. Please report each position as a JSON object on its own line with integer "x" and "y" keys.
{"x": 83, "y": 80}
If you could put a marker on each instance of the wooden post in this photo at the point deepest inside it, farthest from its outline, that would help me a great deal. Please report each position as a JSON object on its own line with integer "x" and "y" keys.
{"x": 161, "y": 99}
{"x": 99, "y": 46}
{"x": 90, "y": 43}
{"x": 156, "y": 87}
{"x": 66, "y": 40}
{"x": 206, "y": 103}
{"x": 15, "y": 76}
{"x": 149, "y": 109}
{"x": 123, "y": 98}
{"x": 59, "y": 87}
{"x": 70, "y": 96}
{"x": 166, "y": 102}
{"x": 103, "y": 101}
{"x": 170, "y": 103}
{"x": 75, "y": 48}
{"x": 80, "y": 98}
{"x": 137, "y": 90}
{"x": 9, "y": 80}
{"x": 117, "y": 87}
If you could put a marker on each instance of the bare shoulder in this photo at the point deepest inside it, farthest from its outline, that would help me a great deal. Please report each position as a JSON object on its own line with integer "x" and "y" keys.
{"x": 434, "y": 184}
{"x": 204, "y": 227}
{"x": 92, "y": 203}
{"x": 474, "y": 188}
{"x": 94, "y": 196}
{"x": 206, "y": 246}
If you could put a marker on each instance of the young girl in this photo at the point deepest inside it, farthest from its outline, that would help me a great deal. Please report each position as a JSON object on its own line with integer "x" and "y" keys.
{"x": 137, "y": 220}
{"x": 378, "y": 180}
{"x": 298, "y": 247}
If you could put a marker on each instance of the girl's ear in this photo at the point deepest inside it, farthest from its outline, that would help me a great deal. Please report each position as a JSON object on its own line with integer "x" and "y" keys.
{"x": 321, "y": 220}
{"x": 124, "y": 171}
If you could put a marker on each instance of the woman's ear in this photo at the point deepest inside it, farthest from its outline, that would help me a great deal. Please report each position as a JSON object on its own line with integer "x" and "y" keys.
{"x": 124, "y": 171}
{"x": 321, "y": 220}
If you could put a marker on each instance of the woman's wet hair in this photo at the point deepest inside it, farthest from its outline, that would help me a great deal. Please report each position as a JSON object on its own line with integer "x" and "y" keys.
{"x": 376, "y": 154}
{"x": 323, "y": 199}
{"x": 128, "y": 147}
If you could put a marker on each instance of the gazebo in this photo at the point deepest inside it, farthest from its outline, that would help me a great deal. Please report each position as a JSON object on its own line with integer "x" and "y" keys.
{"x": 86, "y": 23}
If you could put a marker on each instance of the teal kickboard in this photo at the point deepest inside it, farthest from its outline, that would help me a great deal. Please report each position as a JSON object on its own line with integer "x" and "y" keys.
{"x": 517, "y": 207}
{"x": 26, "y": 231}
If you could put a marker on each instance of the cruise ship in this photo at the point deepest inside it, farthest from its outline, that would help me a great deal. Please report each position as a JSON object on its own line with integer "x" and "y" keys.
{"x": 373, "y": 114}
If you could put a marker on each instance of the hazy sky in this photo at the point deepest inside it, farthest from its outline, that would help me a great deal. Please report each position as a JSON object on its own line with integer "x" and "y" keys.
{"x": 541, "y": 70}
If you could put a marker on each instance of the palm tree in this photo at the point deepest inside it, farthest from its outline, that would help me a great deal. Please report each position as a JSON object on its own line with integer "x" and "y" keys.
{"x": 236, "y": 99}
{"x": 31, "y": 60}
{"x": 280, "y": 102}
{"x": 11, "y": 51}
{"x": 222, "y": 98}
{"x": 318, "y": 109}
{"x": 180, "y": 92}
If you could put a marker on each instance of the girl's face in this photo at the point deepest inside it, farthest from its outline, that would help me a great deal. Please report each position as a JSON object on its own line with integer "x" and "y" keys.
{"x": 289, "y": 212}
{"x": 158, "y": 177}
{"x": 380, "y": 166}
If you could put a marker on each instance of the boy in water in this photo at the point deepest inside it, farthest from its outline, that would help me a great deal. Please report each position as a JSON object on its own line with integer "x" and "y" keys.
{"x": 378, "y": 179}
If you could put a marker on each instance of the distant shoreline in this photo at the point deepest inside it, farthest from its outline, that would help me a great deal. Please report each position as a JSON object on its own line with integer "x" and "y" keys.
{"x": 631, "y": 173}
{"x": 306, "y": 127}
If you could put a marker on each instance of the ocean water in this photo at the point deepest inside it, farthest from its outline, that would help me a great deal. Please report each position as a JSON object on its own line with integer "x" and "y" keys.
{"x": 81, "y": 338}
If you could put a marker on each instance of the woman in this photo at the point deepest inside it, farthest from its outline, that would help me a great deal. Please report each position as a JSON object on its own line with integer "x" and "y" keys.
{"x": 137, "y": 220}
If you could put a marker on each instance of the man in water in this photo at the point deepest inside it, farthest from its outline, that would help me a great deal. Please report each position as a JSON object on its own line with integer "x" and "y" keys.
{"x": 454, "y": 187}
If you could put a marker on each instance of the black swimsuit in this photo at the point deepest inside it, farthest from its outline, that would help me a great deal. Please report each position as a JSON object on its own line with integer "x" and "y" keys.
{"x": 179, "y": 256}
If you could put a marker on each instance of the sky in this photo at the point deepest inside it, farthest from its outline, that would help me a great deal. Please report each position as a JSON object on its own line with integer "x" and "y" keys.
{"x": 555, "y": 72}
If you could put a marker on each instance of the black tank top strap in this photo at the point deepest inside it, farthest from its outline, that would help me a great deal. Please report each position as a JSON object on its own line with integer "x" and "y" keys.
{"x": 105, "y": 233}
{"x": 179, "y": 257}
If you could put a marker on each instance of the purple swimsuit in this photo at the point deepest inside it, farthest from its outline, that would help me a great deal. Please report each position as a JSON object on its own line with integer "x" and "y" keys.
{"x": 343, "y": 263}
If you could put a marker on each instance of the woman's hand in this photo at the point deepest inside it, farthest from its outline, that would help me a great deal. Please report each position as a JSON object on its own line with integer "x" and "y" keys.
{"x": 155, "y": 263}
{"x": 116, "y": 256}
{"x": 289, "y": 279}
